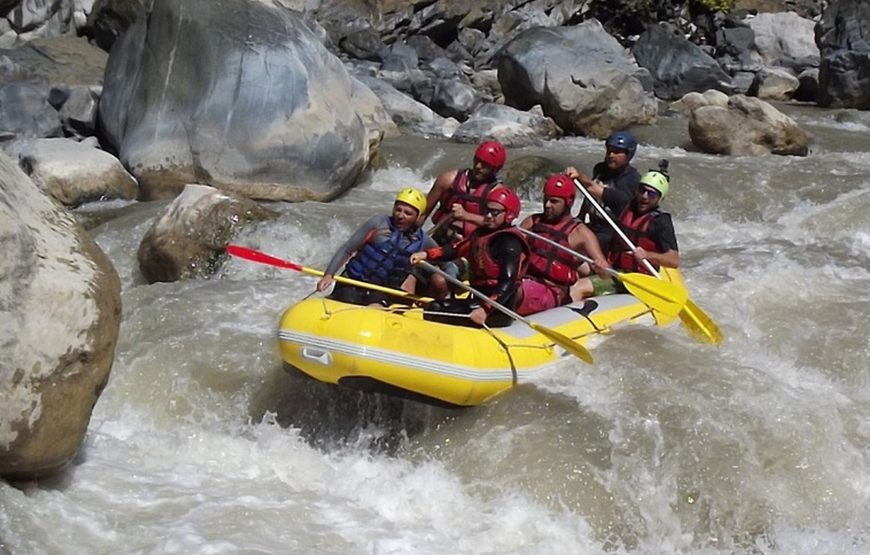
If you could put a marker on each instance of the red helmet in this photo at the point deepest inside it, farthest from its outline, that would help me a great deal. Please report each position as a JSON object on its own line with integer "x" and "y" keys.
{"x": 507, "y": 198}
{"x": 560, "y": 186}
{"x": 492, "y": 153}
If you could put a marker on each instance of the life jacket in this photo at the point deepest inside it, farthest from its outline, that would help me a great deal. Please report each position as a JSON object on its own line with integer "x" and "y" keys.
{"x": 483, "y": 269}
{"x": 385, "y": 261}
{"x": 548, "y": 262}
{"x": 636, "y": 228}
{"x": 472, "y": 201}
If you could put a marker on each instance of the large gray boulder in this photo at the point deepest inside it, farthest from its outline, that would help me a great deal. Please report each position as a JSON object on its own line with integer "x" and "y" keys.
{"x": 742, "y": 125}
{"x": 25, "y": 113}
{"x": 581, "y": 76}
{"x": 61, "y": 303}
{"x": 677, "y": 66}
{"x": 785, "y": 39}
{"x": 252, "y": 103}
{"x": 509, "y": 126}
{"x": 844, "y": 72}
{"x": 408, "y": 113}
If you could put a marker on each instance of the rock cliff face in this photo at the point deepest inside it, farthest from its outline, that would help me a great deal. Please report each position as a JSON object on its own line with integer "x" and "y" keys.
{"x": 62, "y": 307}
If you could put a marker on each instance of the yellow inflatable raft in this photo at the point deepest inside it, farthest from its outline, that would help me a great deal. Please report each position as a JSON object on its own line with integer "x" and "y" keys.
{"x": 396, "y": 352}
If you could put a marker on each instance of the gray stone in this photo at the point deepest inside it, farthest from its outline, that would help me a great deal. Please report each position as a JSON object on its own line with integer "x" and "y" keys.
{"x": 61, "y": 303}
{"x": 74, "y": 173}
{"x": 189, "y": 236}
{"x": 580, "y": 76}
{"x": 253, "y": 104}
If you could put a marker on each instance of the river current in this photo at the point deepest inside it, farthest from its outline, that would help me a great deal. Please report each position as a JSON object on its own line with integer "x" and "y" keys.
{"x": 202, "y": 443}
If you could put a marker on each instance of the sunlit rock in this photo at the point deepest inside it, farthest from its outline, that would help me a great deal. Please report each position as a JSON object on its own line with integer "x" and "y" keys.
{"x": 581, "y": 77}
{"x": 509, "y": 126}
{"x": 74, "y": 173}
{"x": 239, "y": 95}
{"x": 61, "y": 312}
{"x": 188, "y": 238}
{"x": 747, "y": 126}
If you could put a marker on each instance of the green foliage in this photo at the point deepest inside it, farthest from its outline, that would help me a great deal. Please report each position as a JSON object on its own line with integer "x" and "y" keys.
{"x": 715, "y": 5}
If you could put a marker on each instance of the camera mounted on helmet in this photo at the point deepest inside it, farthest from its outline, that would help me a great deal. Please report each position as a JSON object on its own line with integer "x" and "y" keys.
{"x": 658, "y": 179}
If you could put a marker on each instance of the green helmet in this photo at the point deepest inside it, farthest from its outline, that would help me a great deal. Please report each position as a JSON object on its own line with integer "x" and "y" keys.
{"x": 657, "y": 180}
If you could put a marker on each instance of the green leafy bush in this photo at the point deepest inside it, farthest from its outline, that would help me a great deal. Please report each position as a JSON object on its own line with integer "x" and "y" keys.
{"x": 714, "y": 5}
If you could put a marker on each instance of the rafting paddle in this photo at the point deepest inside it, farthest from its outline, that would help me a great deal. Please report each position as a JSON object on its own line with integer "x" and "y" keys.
{"x": 699, "y": 325}
{"x": 563, "y": 341}
{"x": 262, "y": 258}
{"x": 657, "y": 294}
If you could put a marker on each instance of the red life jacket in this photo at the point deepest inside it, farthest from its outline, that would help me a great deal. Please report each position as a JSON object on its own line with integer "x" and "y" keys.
{"x": 636, "y": 229}
{"x": 459, "y": 192}
{"x": 548, "y": 262}
{"x": 484, "y": 271}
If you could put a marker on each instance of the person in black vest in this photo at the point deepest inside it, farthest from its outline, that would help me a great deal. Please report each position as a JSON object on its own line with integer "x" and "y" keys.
{"x": 379, "y": 253}
{"x": 615, "y": 172}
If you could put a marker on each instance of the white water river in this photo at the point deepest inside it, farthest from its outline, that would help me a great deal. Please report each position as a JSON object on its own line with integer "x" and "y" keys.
{"x": 201, "y": 443}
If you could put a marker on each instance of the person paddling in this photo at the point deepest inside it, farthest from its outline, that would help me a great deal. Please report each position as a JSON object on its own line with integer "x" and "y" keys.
{"x": 455, "y": 202}
{"x": 497, "y": 254}
{"x": 457, "y": 197}
{"x": 615, "y": 172}
{"x": 379, "y": 252}
{"x": 649, "y": 228}
{"x": 552, "y": 271}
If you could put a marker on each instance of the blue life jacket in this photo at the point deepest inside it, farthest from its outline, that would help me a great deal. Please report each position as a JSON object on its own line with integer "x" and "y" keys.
{"x": 383, "y": 260}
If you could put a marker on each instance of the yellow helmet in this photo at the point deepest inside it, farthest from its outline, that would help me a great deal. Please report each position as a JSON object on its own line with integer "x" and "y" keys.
{"x": 412, "y": 197}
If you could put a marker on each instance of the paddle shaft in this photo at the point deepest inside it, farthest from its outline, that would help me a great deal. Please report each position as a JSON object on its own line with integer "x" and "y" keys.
{"x": 603, "y": 213}
{"x": 441, "y": 223}
{"x": 262, "y": 258}
{"x": 564, "y": 341}
{"x": 475, "y": 292}
{"x": 692, "y": 316}
{"x": 583, "y": 257}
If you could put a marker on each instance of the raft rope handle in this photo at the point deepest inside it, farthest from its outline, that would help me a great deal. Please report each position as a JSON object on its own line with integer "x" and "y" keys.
{"x": 503, "y": 345}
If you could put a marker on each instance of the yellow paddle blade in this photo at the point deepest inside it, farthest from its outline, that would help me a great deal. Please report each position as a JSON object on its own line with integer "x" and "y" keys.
{"x": 563, "y": 341}
{"x": 699, "y": 325}
{"x": 661, "y": 296}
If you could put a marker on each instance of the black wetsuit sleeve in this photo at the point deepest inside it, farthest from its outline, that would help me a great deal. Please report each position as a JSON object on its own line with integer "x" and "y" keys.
{"x": 507, "y": 251}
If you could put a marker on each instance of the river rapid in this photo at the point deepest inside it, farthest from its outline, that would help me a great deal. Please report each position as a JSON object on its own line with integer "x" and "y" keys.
{"x": 202, "y": 443}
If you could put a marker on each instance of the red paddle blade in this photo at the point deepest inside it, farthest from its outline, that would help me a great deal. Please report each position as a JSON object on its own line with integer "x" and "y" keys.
{"x": 262, "y": 258}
